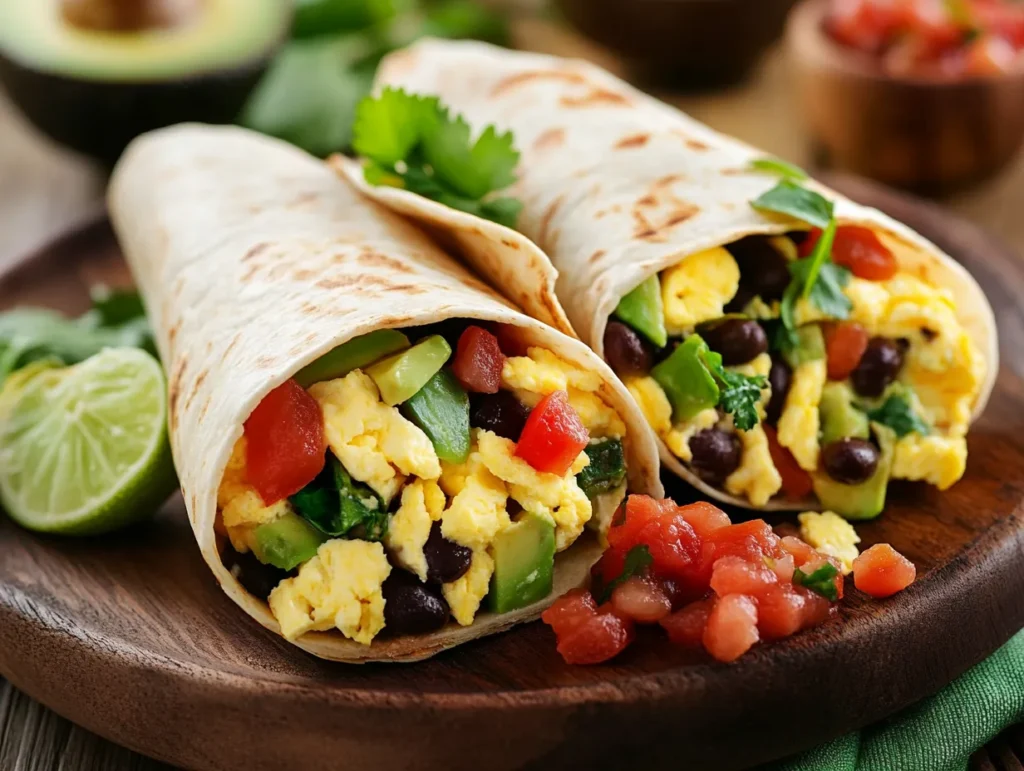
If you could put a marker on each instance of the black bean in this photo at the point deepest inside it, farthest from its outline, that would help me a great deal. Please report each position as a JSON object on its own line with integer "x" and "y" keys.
{"x": 878, "y": 367}
{"x": 716, "y": 454}
{"x": 739, "y": 300}
{"x": 850, "y": 461}
{"x": 779, "y": 377}
{"x": 412, "y": 607}
{"x": 257, "y": 578}
{"x": 447, "y": 561}
{"x": 738, "y": 340}
{"x": 626, "y": 352}
{"x": 763, "y": 270}
{"x": 501, "y": 413}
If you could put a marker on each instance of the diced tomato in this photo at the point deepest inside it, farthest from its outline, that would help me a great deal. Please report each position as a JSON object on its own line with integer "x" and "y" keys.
{"x": 796, "y": 483}
{"x": 586, "y": 634}
{"x": 780, "y": 612}
{"x": 817, "y": 609}
{"x": 686, "y": 626}
{"x": 783, "y": 567}
{"x": 988, "y": 55}
{"x": 285, "y": 443}
{"x": 752, "y": 540}
{"x": 732, "y": 627}
{"x": 660, "y": 525}
{"x": 845, "y": 343}
{"x": 857, "y": 248}
{"x": 801, "y": 550}
{"x": 705, "y": 518}
{"x": 512, "y": 340}
{"x": 570, "y": 610}
{"x": 881, "y": 571}
{"x": 478, "y": 361}
{"x": 735, "y": 575}
{"x": 819, "y": 560}
{"x": 641, "y": 599}
{"x": 553, "y": 436}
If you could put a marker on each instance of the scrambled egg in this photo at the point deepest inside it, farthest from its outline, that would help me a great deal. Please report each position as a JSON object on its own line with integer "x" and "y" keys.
{"x": 409, "y": 528}
{"x": 242, "y": 508}
{"x": 698, "y": 288}
{"x": 799, "y": 422}
{"x": 477, "y": 512}
{"x": 542, "y": 372}
{"x": 339, "y": 588}
{"x": 655, "y": 406}
{"x": 756, "y": 478}
{"x": 465, "y": 594}
{"x": 939, "y": 460}
{"x": 559, "y": 498}
{"x": 372, "y": 440}
{"x": 832, "y": 535}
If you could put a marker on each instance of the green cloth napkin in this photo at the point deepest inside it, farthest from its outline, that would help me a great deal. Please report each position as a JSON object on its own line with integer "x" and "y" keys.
{"x": 938, "y": 734}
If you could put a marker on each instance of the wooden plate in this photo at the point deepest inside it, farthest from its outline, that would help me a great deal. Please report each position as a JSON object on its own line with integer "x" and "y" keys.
{"x": 130, "y": 636}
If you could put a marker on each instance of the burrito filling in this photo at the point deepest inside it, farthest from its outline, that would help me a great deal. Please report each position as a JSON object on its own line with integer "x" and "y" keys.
{"x": 395, "y": 485}
{"x": 765, "y": 393}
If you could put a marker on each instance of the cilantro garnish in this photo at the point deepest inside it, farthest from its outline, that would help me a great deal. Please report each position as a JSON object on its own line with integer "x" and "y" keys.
{"x": 638, "y": 559}
{"x": 413, "y": 142}
{"x": 337, "y": 505}
{"x": 797, "y": 201}
{"x": 897, "y": 414}
{"x": 820, "y": 581}
{"x": 740, "y": 394}
{"x": 779, "y": 167}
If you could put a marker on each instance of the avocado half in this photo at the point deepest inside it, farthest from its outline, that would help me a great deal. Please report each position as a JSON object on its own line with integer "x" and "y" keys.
{"x": 95, "y": 89}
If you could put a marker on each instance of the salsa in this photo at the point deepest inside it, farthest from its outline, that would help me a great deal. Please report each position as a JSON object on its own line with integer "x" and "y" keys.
{"x": 937, "y": 38}
{"x": 709, "y": 583}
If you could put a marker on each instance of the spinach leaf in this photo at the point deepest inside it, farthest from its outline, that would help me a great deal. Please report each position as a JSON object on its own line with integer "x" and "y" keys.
{"x": 337, "y": 505}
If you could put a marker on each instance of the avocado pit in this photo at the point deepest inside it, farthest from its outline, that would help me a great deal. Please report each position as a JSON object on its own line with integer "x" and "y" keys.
{"x": 130, "y": 15}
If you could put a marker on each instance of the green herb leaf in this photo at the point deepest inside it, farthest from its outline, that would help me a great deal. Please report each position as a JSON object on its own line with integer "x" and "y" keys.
{"x": 309, "y": 95}
{"x": 740, "y": 394}
{"x": 606, "y": 470}
{"x": 337, "y": 505}
{"x": 779, "y": 167}
{"x": 328, "y": 17}
{"x": 638, "y": 559}
{"x": 821, "y": 581}
{"x": 796, "y": 201}
{"x": 414, "y": 143}
{"x": 897, "y": 414}
{"x": 786, "y": 338}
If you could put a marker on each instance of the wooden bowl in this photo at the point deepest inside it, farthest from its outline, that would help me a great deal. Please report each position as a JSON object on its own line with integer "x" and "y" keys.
{"x": 921, "y": 133}
{"x": 688, "y": 43}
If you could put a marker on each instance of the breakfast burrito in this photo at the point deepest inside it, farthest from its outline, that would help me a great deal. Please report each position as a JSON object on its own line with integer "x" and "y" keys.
{"x": 380, "y": 457}
{"x": 789, "y": 348}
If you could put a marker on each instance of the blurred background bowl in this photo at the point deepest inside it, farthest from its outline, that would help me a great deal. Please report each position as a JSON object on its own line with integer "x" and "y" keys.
{"x": 683, "y": 43}
{"x": 927, "y": 135}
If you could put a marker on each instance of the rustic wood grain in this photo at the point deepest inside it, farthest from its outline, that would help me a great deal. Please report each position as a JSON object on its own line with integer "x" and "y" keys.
{"x": 129, "y": 636}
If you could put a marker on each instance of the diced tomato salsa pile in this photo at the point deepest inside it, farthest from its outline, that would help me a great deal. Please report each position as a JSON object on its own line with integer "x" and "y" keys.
{"x": 709, "y": 583}
{"x": 950, "y": 38}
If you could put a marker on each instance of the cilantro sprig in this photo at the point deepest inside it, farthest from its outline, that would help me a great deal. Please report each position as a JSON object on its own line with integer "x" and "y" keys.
{"x": 413, "y": 142}
{"x": 637, "y": 560}
{"x": 897, "y": 413}
{"x": 740, "y": 394}
{"x": 779, "y": 167}
{"x": 796, "y": 201}
{"x": 821, "y": 581}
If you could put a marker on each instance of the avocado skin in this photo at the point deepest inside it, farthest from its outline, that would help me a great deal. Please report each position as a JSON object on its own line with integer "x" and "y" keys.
{"x": 99, "y": 118}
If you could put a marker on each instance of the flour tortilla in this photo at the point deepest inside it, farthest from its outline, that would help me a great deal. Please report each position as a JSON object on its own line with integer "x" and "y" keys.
{"x": 254, "y": 260}
{"x": 617, "y": 186}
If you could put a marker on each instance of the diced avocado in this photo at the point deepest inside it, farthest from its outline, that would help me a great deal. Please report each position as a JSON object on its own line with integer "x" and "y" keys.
{"x": 524, "y": 563}
{"x": 441, "y": 409}
{"x": 689, "y": 385}
{"x": 810, "y": 346}
{"x": 354, "y": 354}
{"x": 400, "y": 376}
{"x": 337, "y": 505}
{"x": 863, "y": 501}
{"x": 287, "y": 542}
{"x": 642, "y": 310}
{"x": 839, "y": 417}
{"x": 606, "y": 470}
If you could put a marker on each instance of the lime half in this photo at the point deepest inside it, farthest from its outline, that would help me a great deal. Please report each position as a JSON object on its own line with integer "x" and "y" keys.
{"x": 84, "y": 449}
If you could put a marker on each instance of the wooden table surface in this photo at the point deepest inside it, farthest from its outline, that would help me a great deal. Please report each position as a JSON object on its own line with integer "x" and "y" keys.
{"x": 44, "y": 190}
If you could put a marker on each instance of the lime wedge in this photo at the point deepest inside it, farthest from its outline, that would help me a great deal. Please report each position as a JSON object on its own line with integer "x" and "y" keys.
{"x": 83, "y": 449}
